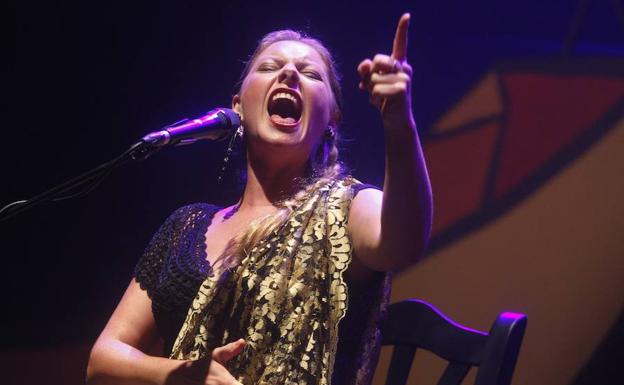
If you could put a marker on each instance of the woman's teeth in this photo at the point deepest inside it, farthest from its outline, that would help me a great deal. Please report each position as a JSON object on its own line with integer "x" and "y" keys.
{"x": 285, "y": 108}
{"x": 284, "y": 95}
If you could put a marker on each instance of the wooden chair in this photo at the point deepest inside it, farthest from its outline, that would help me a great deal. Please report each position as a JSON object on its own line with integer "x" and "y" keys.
{"x": 413, "y": 324}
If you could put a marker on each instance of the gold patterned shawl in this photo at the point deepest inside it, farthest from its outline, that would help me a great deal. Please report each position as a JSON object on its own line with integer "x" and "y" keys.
{"x": 285, "y": 298}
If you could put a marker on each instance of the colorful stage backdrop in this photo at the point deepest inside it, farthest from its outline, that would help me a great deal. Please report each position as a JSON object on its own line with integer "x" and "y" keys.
{"x": 521, "y": 111}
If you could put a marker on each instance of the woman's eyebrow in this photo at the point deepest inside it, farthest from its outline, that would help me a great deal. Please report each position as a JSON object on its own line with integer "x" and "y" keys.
{"x": 281, "y": 60}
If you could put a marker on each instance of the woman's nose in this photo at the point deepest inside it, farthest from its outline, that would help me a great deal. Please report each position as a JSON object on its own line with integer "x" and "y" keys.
{"x": 289, "y": 75}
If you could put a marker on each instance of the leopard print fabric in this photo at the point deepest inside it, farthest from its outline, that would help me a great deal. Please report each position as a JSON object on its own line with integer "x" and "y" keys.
{"x": 286, "y": 299}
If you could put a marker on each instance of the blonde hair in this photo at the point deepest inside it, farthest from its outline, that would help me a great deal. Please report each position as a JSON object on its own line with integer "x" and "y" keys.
{"x": 323, "y": 165}
{"x": 242, "y": 244}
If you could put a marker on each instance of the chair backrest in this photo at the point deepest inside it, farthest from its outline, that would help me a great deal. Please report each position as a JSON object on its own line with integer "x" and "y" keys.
{"x": 413, "y": 324}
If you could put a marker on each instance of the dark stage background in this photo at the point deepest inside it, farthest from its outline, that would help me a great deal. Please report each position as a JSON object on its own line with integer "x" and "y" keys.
{"x": 84, "y": 80}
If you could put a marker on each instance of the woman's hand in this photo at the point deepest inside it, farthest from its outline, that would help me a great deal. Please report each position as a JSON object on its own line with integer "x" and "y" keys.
{"x": 209, "y": 371}
{"x": 226, "y": 352}
{"x": 388, "y": 81}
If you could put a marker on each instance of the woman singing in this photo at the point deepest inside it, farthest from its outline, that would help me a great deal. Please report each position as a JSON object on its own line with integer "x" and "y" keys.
{"x": 287, "y": 285}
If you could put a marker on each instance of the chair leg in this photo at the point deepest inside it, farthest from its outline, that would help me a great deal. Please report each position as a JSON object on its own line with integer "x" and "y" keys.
{"x": 454, "y": 374}
{"x": 400, "y": 364}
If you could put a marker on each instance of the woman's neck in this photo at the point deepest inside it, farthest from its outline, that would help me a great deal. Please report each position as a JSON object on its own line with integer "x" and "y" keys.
{"x": 268, "y": 184}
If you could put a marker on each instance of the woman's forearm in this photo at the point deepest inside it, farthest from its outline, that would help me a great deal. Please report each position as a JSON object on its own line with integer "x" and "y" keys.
{"x": 114, "y": 362}
{"x": 406, "y": 213}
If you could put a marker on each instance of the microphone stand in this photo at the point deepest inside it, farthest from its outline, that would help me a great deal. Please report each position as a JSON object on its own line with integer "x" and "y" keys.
{"x": 138, "y": 152}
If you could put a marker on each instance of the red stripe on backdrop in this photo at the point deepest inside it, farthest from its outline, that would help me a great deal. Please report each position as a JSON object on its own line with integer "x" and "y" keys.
{"x": 458, "y": 167}
{"x": 545, "y": 114}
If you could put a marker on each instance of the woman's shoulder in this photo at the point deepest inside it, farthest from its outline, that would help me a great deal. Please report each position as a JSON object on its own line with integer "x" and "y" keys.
{"x": 170, "y": 241}
{"x": 193, "y": 212}
{"x": 354, "y": 185}
{"x": 186, "y": 218}
{"x": 359, "y": 186}
{"x": 194, "y": 208}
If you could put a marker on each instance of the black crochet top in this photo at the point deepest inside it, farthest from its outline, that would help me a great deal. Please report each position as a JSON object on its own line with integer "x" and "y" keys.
{"x": 175, "y": 264}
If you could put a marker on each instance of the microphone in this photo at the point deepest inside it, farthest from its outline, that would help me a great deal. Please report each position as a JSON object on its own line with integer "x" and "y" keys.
{"x": 216, "y": 124}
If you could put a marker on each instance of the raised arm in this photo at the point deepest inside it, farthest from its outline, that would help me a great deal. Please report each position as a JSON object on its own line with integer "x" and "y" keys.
{"x": 390, "y": 230}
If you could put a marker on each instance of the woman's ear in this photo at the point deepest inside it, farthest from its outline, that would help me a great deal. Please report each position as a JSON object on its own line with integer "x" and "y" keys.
{"x": 236, "y": 105}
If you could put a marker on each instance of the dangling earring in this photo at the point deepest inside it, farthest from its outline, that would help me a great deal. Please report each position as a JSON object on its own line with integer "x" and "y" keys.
{"x": 328, "y": 138}
{"x": 329, "y": 133}
{"x": 228, "y": 153}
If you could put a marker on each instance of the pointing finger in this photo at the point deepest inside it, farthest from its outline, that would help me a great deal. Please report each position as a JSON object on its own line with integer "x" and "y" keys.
{"x": 399, "y": 46}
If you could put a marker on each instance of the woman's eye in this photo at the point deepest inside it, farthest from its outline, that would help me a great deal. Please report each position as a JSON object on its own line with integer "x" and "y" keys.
{"x": 267, "y": 67}
{"x": 312, "y": 74}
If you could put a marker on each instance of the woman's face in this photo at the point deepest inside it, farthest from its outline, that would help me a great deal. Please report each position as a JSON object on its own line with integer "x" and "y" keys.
{"x": 286, "y": 102}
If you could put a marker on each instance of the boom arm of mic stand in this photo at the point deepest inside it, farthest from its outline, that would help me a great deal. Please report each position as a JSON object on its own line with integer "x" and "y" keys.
{"x": 138, "y": 151}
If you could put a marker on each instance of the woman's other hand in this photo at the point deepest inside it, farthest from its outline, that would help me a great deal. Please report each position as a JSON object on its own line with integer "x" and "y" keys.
{"x": 226, "y": 352}
{"x": 209, "y": 371}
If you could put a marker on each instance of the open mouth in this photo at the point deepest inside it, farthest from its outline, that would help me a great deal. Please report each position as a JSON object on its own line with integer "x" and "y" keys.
{"x": 285, "y": 107}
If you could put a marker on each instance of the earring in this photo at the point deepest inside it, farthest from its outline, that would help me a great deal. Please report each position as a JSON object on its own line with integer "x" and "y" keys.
{"x": 226, "y": 159}
{"x": 329, "y": 133}
{"x": 324, "y": 148}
